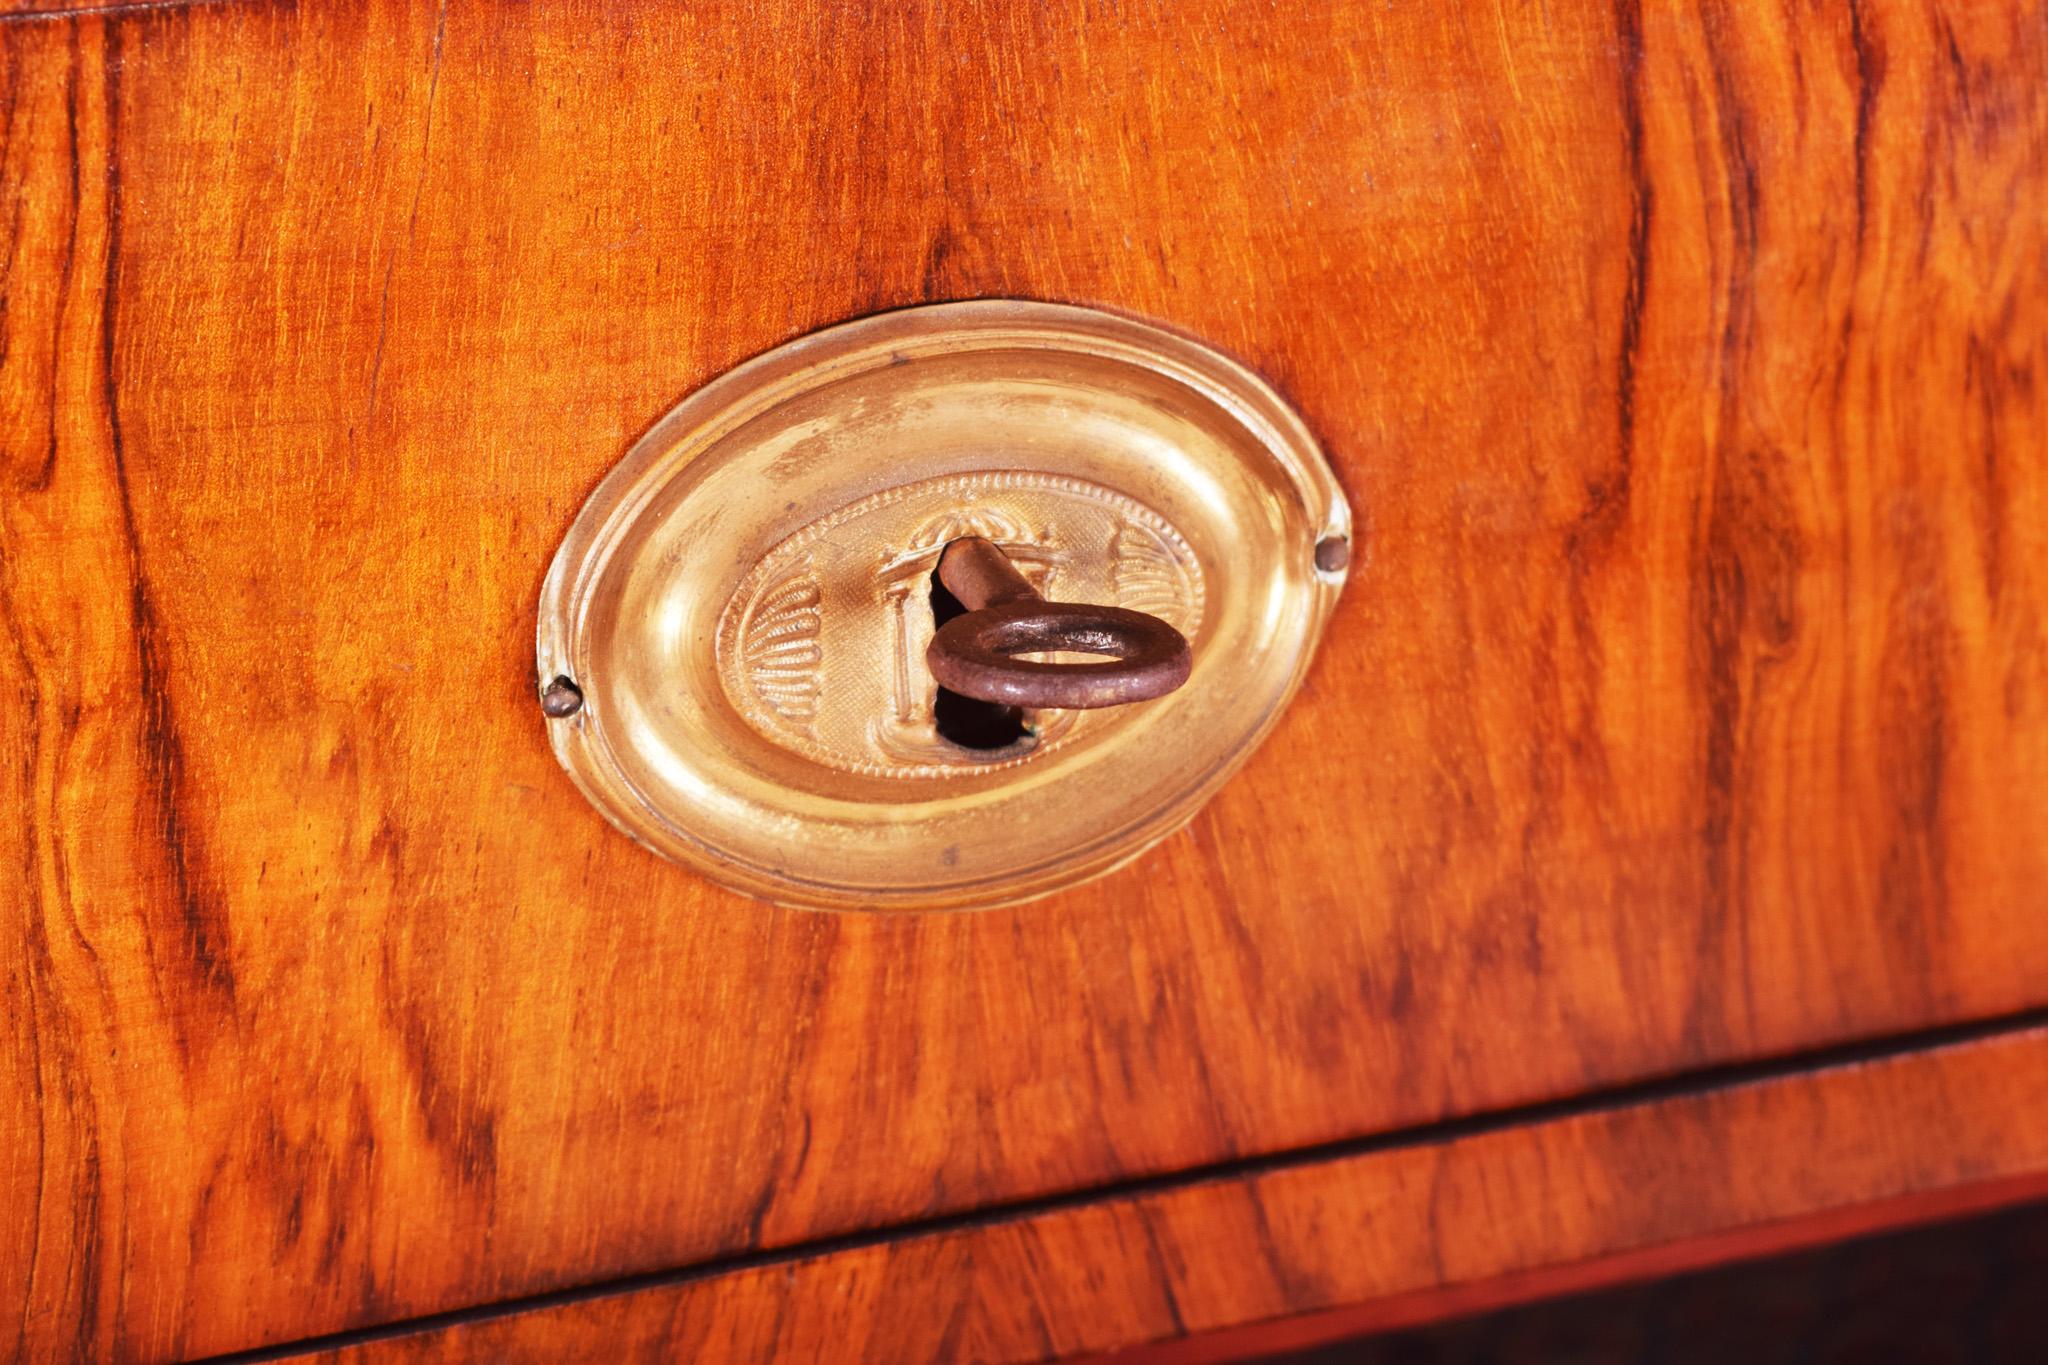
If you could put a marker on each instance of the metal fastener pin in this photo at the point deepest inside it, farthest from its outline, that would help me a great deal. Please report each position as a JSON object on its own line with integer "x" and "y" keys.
{"x": 561, "y": 699}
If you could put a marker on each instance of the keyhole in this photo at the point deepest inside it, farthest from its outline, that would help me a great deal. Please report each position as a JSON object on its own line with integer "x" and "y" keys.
{"x": 968, "y": 721}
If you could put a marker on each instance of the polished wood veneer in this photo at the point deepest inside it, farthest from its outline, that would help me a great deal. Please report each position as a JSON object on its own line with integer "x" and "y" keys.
{"x": 1686, "y": 367}
{"x": 1297, "y": 1253}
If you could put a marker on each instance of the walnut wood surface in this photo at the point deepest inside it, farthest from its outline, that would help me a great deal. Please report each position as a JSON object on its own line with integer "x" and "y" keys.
{"x": 1689, "y": 702}
{"x": 1341, "y": 1247}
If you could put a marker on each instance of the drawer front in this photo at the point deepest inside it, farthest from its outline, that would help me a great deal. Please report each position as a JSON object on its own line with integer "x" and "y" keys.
{"x": 1686, "y": 706}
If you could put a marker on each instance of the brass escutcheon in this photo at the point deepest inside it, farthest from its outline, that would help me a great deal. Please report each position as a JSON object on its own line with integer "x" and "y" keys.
{"x": 744, "y": 606}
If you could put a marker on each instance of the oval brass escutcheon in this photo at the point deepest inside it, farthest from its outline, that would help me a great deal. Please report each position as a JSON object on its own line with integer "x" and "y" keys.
{"x": 744, "y": 605}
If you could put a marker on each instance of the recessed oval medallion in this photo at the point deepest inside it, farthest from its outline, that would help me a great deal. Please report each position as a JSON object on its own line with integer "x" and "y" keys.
{"x": 849, "y": 598}
{"x": 745, "y": 602}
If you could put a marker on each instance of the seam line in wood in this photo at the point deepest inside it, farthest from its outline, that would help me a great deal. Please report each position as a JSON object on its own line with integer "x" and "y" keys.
{"x": 1703, "y": 1081}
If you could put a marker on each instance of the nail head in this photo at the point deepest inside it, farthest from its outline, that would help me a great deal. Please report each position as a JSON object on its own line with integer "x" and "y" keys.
{"x": 561, "y": 699}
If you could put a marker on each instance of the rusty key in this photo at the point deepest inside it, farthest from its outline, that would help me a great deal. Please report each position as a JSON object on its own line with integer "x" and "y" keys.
{"x": 975, "y": 654}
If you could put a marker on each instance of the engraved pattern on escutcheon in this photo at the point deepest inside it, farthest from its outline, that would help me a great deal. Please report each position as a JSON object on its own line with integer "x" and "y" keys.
{"x": 821, "y": 647}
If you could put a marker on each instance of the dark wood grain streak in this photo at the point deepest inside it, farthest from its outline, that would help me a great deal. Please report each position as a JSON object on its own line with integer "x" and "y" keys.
{"x": 36, "y": 11}
{"x": 1689, "y": 702}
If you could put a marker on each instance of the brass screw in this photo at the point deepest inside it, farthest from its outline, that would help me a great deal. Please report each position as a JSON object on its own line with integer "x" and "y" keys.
{"x": 561, "y": 699}
{"x": 1333, "y": 554}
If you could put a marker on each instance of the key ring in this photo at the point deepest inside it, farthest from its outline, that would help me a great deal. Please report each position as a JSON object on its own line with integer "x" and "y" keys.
{"x": 974, "y": 654}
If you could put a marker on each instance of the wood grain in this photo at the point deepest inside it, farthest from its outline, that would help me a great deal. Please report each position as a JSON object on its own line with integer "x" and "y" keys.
{"x": 1689, "y": 703}
{"x": 1218, "y": 1270}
